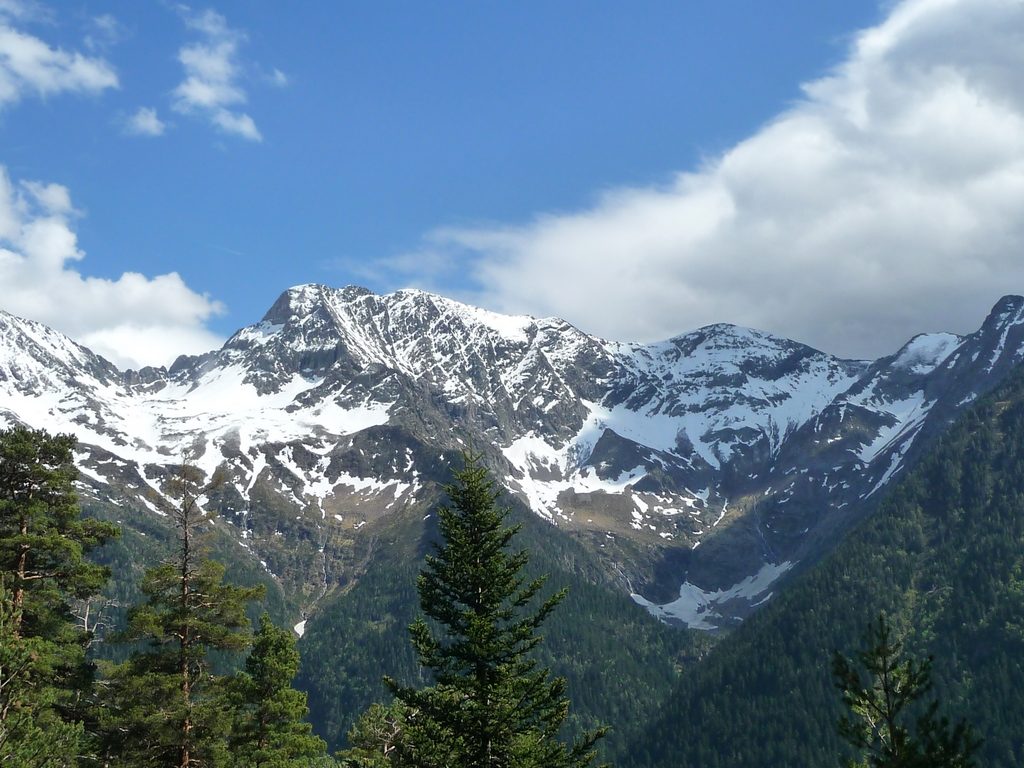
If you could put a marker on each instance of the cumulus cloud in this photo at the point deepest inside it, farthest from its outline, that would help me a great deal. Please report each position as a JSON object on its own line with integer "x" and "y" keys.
{"x": 889, "y": 200}
{"x": 133, "y": 321}
{"x": 145, "y": 122}
{"x": 212, "y": 86}
{"x": 30, "y": 66}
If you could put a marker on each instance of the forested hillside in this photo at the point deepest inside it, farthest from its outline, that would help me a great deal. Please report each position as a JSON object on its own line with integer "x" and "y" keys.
{"x": 145, "y": 540}
{"x": 619, "y": 663}
{"x": 943, "y": 556}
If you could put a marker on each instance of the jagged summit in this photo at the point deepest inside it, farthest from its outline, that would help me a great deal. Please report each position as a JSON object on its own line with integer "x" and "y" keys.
{"x": 726, "y": 451}
{"x": 724, "y": 339}
{"x": 299, "y": 303}
{"x": 1010, "y": 304}
{"x": 30, "y": 350}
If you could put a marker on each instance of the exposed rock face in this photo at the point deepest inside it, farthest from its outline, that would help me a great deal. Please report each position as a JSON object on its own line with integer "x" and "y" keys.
{"x": 717, "y": 459}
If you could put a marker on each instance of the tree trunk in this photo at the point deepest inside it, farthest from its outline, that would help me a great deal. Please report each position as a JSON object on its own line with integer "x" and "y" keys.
{"x": 19, "y": 587}
{"x": 186, "y": 641}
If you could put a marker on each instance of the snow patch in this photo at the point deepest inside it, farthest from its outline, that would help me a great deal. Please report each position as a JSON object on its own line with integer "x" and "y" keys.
{"x": 926, "y": 352}
{"x": 697, "y": 608}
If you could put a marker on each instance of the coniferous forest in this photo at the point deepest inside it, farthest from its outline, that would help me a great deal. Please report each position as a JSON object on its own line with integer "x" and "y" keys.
{"x": 943, "y": 558}
{"x": 182, "y": 666}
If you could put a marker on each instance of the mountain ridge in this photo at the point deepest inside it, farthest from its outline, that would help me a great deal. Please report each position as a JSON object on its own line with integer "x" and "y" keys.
{"x": 942, "y": 557}
{"x": 718, "y": 459}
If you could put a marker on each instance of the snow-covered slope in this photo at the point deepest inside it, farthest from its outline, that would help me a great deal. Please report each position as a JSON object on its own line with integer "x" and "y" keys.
{"x": 714, "y": 460}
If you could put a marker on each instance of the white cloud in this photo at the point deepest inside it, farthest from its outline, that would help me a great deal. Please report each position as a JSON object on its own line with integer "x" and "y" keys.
{"x": 29, "y": 65}
{"x": 889, "y": 200}
{"x": 104, "y": 32}
{"x": 21, "y": 10}
{"x": 134, "y": 320}
{"x": 145, "y": 122}
{"x": 211, "y": 87}
{"x": 278, "y": 78}
{"x": 239, "y": 124}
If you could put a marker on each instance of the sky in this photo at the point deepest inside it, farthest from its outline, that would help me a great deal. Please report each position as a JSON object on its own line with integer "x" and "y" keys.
{"x": 844, "y": 174}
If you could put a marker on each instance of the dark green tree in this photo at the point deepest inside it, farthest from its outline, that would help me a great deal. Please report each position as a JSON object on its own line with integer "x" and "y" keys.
{"x": 378, "y": 738}
{"x": 269, "y": 728}
{"x": 883, "y": 694}
{"x": 491, "y": 705}
{"x": 165, "y": 707}
{"x": 32, "y": 734}
{"x": 44, "y": 571}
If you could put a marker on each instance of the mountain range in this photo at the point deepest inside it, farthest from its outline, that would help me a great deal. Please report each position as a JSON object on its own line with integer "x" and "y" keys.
{"x": 698, "y": 472}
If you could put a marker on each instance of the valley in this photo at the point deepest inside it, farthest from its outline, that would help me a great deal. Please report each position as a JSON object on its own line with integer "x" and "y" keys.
{"x": 696, "y": 472}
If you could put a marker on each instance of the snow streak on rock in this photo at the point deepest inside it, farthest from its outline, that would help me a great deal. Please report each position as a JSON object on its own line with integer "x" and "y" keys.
{"x": 336, "y": 403}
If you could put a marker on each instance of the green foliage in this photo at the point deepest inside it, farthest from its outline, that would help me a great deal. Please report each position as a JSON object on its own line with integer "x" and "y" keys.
{"x": 163, "y": 705}
{"x": 32, "y": 734}
{"x": 942, "y": 557}
{"x": 147, "y": 538}
{"x": 43, "y": 538}
{"x": 618, "y": 662}
{"x": 377, "y": 738}
{"x": 490, "y": 702}
{"x": 269, "y": 730}
{"x": 44, "y": 575}
{"x": 880, "y": 691}
{"x": 353, "y": 640}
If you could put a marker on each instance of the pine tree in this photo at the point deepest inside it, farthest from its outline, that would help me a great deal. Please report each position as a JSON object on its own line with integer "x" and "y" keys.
{"x": 32, "y": 733}
{"x": 43, "y": 545}
{"x": 882, "y": 693}
{"x": 491, "y": 705}
{"x": 269, "y": 729}
{"x": 164, "y": 706}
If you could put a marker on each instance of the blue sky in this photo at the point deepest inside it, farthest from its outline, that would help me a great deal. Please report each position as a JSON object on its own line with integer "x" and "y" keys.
{"x": 610, "y": 153}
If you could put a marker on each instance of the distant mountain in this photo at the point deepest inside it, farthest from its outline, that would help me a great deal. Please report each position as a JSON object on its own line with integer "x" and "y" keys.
{"x": 697, "y": 471}
{"x": 942, "y": 556}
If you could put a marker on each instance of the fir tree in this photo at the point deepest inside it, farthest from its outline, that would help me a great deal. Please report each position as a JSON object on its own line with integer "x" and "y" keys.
{"x": 491, "y": 705}
{"x": 882, "y": 692}
{"x": 165, "y": 707}
{"x": 269, "y": 728}
{"x": 43, "y": 570}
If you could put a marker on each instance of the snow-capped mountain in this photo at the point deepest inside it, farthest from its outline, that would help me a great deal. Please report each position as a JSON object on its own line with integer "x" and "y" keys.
{"x": 716, "y": 460}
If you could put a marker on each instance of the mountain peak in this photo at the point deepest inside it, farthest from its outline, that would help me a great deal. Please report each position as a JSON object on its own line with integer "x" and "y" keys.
{"x": 294, "y": 302}
{"x": 302, "y": 300}
{"x": 343, "y": 403}
{"x": 726, "y": 337}
{"x": 1009, "y": 308}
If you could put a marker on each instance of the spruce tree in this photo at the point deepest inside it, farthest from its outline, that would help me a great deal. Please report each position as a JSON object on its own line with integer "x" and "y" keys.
{"x": 164, "y": 706}
{"x": 43, "y": 570}
{"x": 886, "y": 721}
{"x": 269, "y": 729}
{"x": 491, "y": 705}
